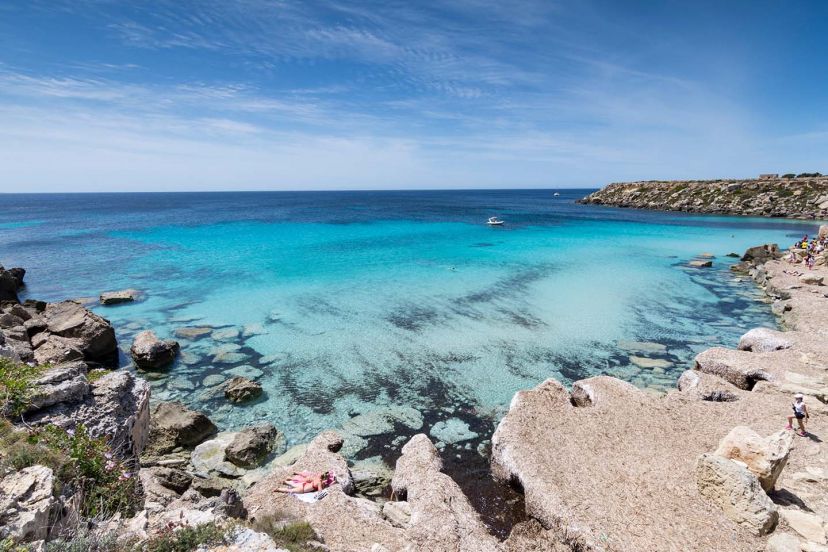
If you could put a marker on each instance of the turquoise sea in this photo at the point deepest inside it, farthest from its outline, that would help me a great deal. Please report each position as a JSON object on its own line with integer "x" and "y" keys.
{"x": 354, "y": 303}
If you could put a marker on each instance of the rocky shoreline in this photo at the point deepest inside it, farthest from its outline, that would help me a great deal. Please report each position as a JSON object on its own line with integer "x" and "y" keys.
{"x": 603, "y": 466}
{"x": 793, "y": 197}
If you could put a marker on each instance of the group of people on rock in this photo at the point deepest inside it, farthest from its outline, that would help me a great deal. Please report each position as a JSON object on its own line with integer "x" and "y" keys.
{"x": 812, "y": 247}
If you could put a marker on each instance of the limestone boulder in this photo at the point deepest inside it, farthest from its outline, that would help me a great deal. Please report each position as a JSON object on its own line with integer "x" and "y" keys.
{"x": 25, "y": 503}
{"x": 706, "y": 387}
{"x": 54, "y": 349}
{"x": 764, "y": 457}
{"x": 700, "y": 263}
{"x": 63, "y": 383}
{"x": 151, "y": 353}
{"x": 240, "y": 389}
{"x": 209, "y": 458}
{"x": 174, "y": 425}
{"x": 762, "y": 253}
{"x": 763, "y": 340}
{"x": 118, "y": 297}
{"x": 251, "y": 446}
{"x": 90, "y": 333}
{"x": 736, "y": 367}
{"x": 116, "y": 407}
{"x": 734, "y": 489}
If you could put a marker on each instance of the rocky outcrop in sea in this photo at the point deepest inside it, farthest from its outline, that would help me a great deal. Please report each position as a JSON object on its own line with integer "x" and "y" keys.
{"x": 802, "y": 198}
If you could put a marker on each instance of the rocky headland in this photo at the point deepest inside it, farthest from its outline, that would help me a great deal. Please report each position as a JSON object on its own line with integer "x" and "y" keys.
{"x": 602, "y": 466}
{"x": 803, "y": 197}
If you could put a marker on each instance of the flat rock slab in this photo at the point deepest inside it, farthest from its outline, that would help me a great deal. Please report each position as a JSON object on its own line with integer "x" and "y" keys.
{"x": 645, "y": 362}
{"x": 608, "y": 474}
{"x": 118, "y": 297}
{"x": 642, "y": 347}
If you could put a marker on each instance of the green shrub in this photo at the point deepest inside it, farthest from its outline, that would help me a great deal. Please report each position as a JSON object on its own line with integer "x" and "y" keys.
{"x": 291, "y": 535}
{"x": 81, "y": 464}
{"x": 789, "y": 175}
{"x": 186, "y": 539}
{"x": 96, "y": 374}
{"x": 16, "y": 385}
{"x": 107, "y": 484}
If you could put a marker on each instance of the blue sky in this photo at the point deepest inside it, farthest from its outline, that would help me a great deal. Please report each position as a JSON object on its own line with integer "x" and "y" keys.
{"x": 280, "y": 94}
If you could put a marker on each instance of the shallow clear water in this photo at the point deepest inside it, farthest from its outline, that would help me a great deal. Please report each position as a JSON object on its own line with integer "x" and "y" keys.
{"x": 349, "y": 302}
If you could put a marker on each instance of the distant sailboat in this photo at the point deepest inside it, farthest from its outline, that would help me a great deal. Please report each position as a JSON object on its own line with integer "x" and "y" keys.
{"x": 494, "y": 221}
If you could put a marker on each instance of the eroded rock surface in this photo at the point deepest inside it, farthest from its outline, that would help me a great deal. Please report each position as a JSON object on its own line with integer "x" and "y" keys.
{"x": 25, "y": 503}
{"x": 152, "y": 353}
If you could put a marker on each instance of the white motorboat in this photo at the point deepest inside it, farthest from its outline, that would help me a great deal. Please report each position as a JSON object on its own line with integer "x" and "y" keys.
{"x": 556, "y": 194}
{"x": 494, "y": 221}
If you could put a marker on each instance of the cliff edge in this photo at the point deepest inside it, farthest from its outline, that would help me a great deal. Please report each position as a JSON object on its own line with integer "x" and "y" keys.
{"x": 796, "y": 197}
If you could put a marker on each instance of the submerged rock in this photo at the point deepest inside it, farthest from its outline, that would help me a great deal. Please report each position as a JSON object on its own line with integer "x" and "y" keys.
{"x": 118, "y": 297}
{"x": 151, "y": 353}
{"x": 451, "y": 431}
{"x": 193, "y": 332}
{"x": 240, "y": 389}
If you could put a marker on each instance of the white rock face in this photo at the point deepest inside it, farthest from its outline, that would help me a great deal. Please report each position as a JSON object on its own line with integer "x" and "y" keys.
{"x": 782, "y": 542}
{"x": 25, "y": 502}
{"x": 737, "y": 492}
{"x": 811, "y": 279}
{"x": 209, "y": 456}
{"x": 764, "y": 457}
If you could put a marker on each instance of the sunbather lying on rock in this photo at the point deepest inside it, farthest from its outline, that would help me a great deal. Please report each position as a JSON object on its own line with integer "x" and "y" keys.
{"x": 307, "y": 482}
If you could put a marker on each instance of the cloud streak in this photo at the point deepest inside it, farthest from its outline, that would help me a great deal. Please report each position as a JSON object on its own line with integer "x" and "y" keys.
{"x": 258, "y": 94}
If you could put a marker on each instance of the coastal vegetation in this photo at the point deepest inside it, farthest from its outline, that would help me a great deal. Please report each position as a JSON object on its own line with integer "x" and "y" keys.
{"x": 803, "y": 196}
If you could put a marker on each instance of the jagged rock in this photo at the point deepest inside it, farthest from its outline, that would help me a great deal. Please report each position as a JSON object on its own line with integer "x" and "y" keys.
{"x": 88, "y": 332}
{"x": 240, "y": 389}
{"x": 34, "y": 326}
{"x": 810, "y": 526}
{"x": 8, "y": 320}
{"x": 212, "y": 486}
{"x": 763, "y": 340}
{"x": 117, "y": 297}
{"x": 731, "y": 366}
{"x": 175, "y": 425}
{"x": 707, "y": 387}
{"x": 11, "y": 281}
{"x": 209, "y": 457}
{"x": 737, "y": 492}
{"x": 62, "y": 383}
{"x": 171, "y": 478}
{"x": 762, "y": 253}
{"x": 782, "y": 542}
{"x": 764, "y": 457}
{"x": 151, "y": 353}
{"x": 250, "y": 446}
{"x": 25, "y": 503}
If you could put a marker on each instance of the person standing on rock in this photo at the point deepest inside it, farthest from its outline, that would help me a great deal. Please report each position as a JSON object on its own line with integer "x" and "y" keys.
{"x": 800, "y": 413}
